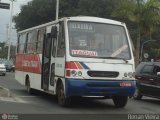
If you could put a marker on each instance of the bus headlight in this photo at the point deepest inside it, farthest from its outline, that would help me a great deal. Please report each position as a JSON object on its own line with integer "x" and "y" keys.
{"x": 130, "y": 74}
{"x": 125, "y": 74}
{"x": 79, "y": 73}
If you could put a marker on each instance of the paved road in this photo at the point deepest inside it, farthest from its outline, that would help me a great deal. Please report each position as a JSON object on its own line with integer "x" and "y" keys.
{"x": 41, "y": 103}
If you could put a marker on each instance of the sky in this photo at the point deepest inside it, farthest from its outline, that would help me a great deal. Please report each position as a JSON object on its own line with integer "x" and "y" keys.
{"x": 5, "y": 18}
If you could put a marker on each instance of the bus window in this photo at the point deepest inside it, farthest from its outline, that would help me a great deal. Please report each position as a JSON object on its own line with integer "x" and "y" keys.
{"x": 31, "y": 42}
{"x": 39, "y": 45}
{"x": 54, "y": 44}
{"x": 48, "y": 46}
{"x": 21, "y": 43}
{"x": 61, "y": 42}
{"x": 18, "y": 43}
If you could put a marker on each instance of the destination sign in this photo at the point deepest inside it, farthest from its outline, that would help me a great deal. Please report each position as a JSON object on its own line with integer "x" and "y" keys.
{"x": 77, "y": 26}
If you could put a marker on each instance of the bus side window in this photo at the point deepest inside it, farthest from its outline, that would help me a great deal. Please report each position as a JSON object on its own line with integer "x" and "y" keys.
{"x": 31, "y": 42}
{"x": 61, "y": 41}
{"x": 18, "y": 44}
{"x": 21, "y": 43}
{"x": 54, "y": 44}
{"x": 48, "y": 43}
{"x": 39, "y": 44}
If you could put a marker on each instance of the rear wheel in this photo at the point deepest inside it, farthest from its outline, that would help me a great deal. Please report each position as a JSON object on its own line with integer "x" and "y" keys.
{"x": 62, "y": 99}
{"x": 120, "y": 101}
{"x": 137, "y": 95}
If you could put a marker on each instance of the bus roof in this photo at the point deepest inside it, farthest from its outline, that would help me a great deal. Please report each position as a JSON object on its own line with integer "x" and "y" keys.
{"x": 77, "y": 18}
{"x": 95, "y": 19}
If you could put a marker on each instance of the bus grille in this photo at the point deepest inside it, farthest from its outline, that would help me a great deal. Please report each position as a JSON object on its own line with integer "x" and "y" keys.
{"x": 110, "y": 74}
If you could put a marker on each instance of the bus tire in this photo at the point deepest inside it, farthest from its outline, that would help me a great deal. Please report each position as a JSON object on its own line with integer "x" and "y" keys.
{"x": 62, "y": 99}
{"x": 137, "y": 95}
{"x": 120, "y": 101}
{"x": 29, "y": 89}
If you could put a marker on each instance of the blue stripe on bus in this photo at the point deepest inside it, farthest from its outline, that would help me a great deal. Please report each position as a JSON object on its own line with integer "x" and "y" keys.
{"x": 84, "y": 65}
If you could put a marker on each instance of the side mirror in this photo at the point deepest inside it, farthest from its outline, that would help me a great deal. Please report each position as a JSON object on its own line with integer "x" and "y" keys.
{"x": 158, "y": 74}
{"x": 54, "y": 32}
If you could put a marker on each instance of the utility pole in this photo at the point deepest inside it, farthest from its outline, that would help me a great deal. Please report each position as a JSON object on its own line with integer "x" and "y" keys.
{"x": 57, "y": 9}
{"x": 10, "y": 31}
{"x": 138, "y": 35}
{"x": 7, "y": 38}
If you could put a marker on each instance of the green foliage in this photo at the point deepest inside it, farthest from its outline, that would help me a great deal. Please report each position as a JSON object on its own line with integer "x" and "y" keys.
{"x": 141, "y": 16}
{"x": 38, "y": 12}
{"x": 154, "y": 53}
{"x": 127, "y": 9}
{"x": 34, "y": 13}
{"x": 145, "y": 13}
{"x": 4, "y": 50}
{"x": 96, "y": 8}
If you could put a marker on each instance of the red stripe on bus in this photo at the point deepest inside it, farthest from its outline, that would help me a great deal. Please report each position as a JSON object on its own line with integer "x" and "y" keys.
{"x": 78, "y": 65}
{"x": 70, "y": 65}
{"x": 28, "y": 62}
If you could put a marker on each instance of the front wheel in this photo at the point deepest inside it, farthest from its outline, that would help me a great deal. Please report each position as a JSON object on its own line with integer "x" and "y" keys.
{"x": 120, "y": 101}
{"x": 62, "y": 99}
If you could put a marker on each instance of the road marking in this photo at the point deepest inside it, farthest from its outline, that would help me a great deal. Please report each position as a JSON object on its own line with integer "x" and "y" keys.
{"x": 12, "y": 99}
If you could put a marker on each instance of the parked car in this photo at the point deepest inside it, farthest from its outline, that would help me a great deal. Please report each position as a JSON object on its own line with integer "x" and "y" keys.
{"x": 148, "y": 80}
{"x": 2, "y": 69}
{"x": 9, "y": 66}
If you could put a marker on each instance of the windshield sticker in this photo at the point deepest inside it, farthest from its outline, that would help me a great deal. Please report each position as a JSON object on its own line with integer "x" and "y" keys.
{"x": 84, "y": 52}
{"x": 117, "y": 52}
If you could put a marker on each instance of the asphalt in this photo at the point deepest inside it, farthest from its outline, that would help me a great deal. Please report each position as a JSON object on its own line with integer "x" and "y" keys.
{"x": 40, "y": 104}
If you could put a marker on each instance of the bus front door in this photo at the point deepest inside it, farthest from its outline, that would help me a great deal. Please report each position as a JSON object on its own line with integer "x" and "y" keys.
{"x": 46, "y": 61}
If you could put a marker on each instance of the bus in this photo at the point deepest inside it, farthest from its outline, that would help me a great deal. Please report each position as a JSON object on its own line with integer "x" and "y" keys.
{"x": 78, "y": 56}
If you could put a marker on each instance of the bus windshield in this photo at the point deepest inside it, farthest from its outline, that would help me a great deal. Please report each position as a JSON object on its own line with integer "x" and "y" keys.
{"x": 98, "y": 40}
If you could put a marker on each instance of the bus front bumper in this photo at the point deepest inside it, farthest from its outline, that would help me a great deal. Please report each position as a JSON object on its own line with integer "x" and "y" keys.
{"x": 81, "y": 87}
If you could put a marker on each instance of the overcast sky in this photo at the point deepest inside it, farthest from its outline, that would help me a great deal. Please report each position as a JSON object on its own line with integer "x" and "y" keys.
{"x": 5, "y": 18}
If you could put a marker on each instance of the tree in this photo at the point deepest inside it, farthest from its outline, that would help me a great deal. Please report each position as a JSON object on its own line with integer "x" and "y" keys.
{"x": 3, "y": 51}
{"x": 38, "y": 12}
{"x": 145, "y": 13}
{"x": 98, "y": 8}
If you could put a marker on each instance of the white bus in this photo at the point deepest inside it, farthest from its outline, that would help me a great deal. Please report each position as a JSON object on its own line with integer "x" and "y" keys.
{"x": 77, "y": 56}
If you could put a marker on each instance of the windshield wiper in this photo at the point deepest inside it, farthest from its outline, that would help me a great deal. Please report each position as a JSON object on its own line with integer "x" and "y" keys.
{"x": 115, "y": 58}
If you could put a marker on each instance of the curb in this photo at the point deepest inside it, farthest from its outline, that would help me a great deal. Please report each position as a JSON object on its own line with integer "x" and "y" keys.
{"x": 4, "y": 92}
